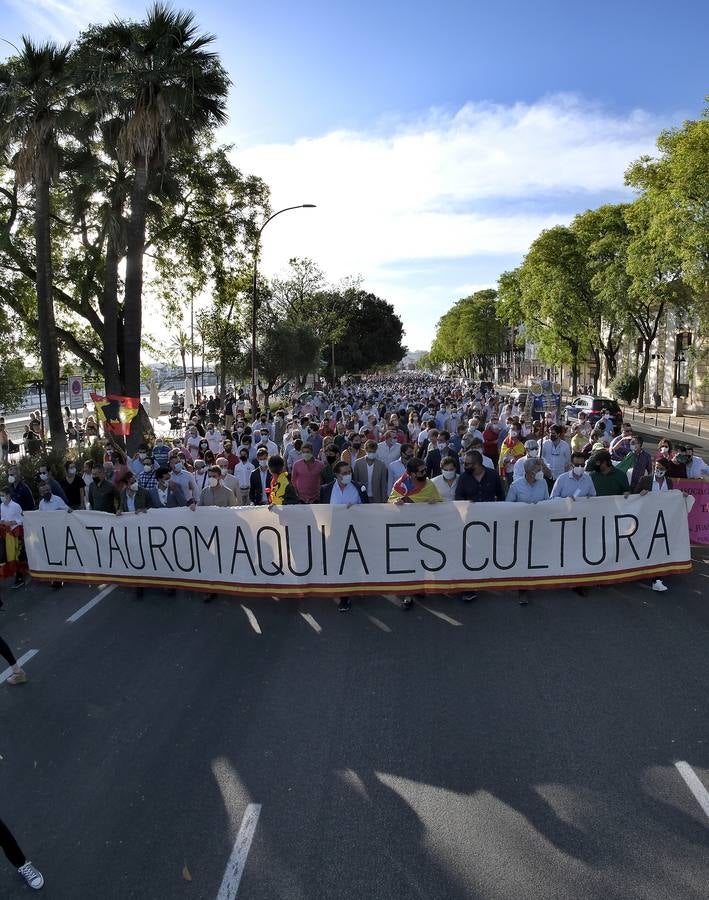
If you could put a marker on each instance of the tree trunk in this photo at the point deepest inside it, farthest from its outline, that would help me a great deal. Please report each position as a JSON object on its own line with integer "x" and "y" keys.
{"x": 183, "y": 354}
{"x": 132, "y": 306}
{"x": 642, "y": 372}
{"x": 111, "y": 368}
{"x": 49, "y": 353}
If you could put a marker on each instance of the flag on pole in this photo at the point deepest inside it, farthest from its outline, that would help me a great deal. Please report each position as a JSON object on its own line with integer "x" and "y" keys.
{"x": 115, "y": 412}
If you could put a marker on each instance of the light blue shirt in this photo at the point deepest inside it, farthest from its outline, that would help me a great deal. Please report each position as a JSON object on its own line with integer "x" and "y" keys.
{"x": 567, "y": 485}
{"x": 522, "y": 491}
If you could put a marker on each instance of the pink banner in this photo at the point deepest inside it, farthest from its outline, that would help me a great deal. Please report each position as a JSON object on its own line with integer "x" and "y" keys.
{"x": 699, "y": 516}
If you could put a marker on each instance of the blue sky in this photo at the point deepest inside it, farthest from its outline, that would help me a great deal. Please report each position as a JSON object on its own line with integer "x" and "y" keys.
{"x": 436, "y": 139}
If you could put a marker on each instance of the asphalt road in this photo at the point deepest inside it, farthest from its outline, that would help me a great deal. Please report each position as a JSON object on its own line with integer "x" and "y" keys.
{"x": 496, "y": 752}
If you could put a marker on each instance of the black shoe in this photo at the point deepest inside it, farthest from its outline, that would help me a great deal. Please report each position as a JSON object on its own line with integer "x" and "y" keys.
{"x": 523, "y": 600}
{"x": 57, "y": 585}
{"x": 407, "y": 602}
{"x": 139, "y": 593}
{"x": 581, "y": 591}
{"x": 171, "y": 592}
{"x": 209, "y": 598}
{"x": 469, "y": 598}
{"x": 345, "y": 604}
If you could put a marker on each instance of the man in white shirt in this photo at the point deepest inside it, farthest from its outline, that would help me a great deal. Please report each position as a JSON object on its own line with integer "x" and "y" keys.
{"x": 556, "y": 453}
{"x": 447, "y": 481}
{"x": 10, "y": 512}
{"x": 695, "y": 465}
{"x": 389, "y": 449}
{"x": 215, "y": 439}
{"x": 261, "y": 439}
{"x": 398, "y": 467}
{"x": 242, "y": 473}
{"x": 49, "y": 501}
{"x": 532, "y": 448}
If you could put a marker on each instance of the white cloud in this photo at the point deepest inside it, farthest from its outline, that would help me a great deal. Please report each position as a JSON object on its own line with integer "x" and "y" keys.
{"x": 442, "y": 187}
{"x": 62, "y": 19}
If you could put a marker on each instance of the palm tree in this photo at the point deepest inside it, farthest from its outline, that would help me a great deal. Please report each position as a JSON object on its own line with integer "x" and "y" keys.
{"x": 181, "y": 344}
{"x": 168, "y": 89}
{"x": 36, "y": 110}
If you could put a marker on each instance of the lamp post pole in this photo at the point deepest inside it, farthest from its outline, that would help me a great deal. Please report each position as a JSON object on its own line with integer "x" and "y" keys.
{"x": 254, "y": 302}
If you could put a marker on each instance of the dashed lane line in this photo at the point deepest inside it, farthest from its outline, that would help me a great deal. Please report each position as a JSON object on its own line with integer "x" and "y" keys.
{"x": 311, "y": 621}
{"x": 439, "y": 615}
{"x": 90, "y": 605}
{"x": 237, "y": 861}
{"x": 691, "y": 779}
{"x": 21, "y": 661}
{"x": 253, "y": 621}
{"x": 378, "y": 622}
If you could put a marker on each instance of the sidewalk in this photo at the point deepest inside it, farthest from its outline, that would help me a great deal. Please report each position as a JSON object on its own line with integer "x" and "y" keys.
{"x": 689, "y": 429}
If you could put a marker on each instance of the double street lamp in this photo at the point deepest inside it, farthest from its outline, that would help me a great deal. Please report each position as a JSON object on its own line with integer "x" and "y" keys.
{"x": 254, "y": 303}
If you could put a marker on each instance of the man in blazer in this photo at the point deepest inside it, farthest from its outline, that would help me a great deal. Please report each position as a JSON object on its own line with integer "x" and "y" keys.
{"x": 168, "y": 494}
{"x": 347, "y": 491}
{"x": 373, "y": 474}
{"x": 260, "y": 479}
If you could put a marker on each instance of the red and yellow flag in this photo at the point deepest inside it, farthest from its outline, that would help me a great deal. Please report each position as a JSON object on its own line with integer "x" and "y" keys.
{"x": 115, "y": 412}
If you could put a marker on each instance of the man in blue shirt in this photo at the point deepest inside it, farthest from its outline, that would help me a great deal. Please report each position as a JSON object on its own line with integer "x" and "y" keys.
{"x": 576, "y": 482}
{"x": 532, "y": 488}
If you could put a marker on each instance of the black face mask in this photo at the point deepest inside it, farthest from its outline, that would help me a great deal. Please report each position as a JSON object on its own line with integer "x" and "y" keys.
{"x": 244, "y": 458}
{"x": 96, "y": 479}
{"x": 331, "y": 457}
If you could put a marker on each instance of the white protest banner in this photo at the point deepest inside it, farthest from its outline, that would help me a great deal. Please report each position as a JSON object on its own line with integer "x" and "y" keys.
{"x": 369, "y": 549}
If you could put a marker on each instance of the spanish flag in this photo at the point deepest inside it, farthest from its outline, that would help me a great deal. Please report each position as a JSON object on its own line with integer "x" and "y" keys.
{"x": 115, "y": 412}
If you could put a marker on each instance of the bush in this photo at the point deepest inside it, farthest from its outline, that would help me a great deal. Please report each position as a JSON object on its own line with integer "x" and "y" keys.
{"x": 624, "y": 386}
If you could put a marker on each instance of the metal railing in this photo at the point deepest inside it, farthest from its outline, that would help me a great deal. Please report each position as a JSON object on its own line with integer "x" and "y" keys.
{"x": 657, "y": 419}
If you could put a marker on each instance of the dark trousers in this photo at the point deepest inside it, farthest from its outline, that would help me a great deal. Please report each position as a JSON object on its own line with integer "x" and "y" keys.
{"x": 10, "y": 847}
{"x": 7, "y": 653}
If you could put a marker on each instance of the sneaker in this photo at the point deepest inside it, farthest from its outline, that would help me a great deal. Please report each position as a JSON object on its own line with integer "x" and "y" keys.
{"x": 18, "y": 677}
{"x": 659, "y": 585}
{"x": 32, "y": 876}
{"x": 407, "y": 602}
{"x": 345, "y": 604}
{"x": 468, "y": 598}
{"x": 581, "y": 591}
{"x": 523, "y": 599}
{"x": 18, "y": 583}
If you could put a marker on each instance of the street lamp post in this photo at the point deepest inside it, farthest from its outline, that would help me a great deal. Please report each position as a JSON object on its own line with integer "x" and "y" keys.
{"x": 257, "y": 243}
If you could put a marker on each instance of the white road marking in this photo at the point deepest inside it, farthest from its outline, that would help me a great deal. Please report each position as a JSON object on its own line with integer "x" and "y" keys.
{"x": 439, "y": 615}
{"x": 392, "y": 599}
{"x": 691, "y": 779}
{"x": 90, "y": 605}
{"x": 277, "y": 599}
{"x": 21, "y": 661}
{"x": 311, "y": 621}
{"x": 237, "y": 861}
{"x": 378, "y": 622}
{"x": 252, "y": 619}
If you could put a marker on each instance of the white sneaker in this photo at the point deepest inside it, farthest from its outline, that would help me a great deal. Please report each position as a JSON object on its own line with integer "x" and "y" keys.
{"x": 659, "y": 585}
{"x": 32, "y": 876}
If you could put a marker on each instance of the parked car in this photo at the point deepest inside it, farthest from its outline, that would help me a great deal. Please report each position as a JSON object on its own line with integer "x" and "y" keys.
{"x": 593, "y": 407}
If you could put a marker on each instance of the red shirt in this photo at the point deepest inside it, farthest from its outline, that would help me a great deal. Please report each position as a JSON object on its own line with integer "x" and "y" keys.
{"x": 306, "y": 479}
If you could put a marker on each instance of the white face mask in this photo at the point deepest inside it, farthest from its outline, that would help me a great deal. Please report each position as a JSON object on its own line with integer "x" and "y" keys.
{"x": 133, "y": 486}
{"x": 307, "y": 456}
{"x": 263, "y": 463}
{"x": 371, "y": 455}
{"x": 532, "y": 454}
{"x": 71, "y": 471}
{"x": 539, "y": 475}
{"x": 213, "y": 481}
{"x": 147, "y": 468}
{"x": 44, "y": 476}
{"x": 345, "y": 479}
{"x": 659, "y": 473}
{"x": 448, "y": 474}
{"x": 11, "y": 479}
{"x": 178, "y": 467}
{"x": 578, "y": 471}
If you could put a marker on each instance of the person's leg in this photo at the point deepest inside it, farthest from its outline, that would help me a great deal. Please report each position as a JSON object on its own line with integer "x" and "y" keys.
{"x": 10, "y": 847}
{"x": 7, "y": 653}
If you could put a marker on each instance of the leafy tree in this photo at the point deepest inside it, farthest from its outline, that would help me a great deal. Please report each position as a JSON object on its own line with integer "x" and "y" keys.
{"x": 603, "y": 235}
{"x": 656, "y": 284}
{"x": 624, "y": 386}
{"x": 36, "y": 109}
{"x": 371, "y": 334}
{"x": 470, "y": 335}
{"x": 550, "y": 294}
{"x": 285, "y": 350}
{"x": 181, "y": 344}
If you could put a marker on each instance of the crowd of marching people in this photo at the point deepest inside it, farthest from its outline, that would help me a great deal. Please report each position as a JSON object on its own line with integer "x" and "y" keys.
{"x": 404, "y": 438}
